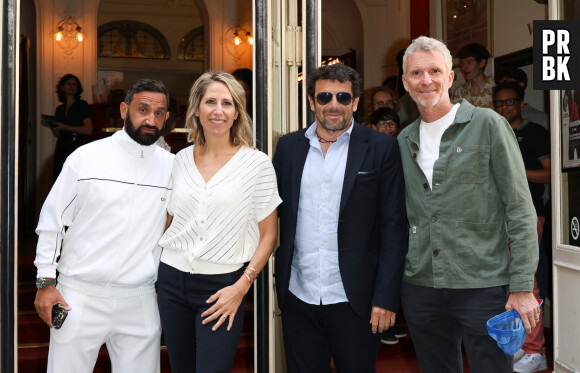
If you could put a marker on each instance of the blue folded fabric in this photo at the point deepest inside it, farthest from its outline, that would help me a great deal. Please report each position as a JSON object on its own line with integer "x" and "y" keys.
{"x": 508, "y": 330}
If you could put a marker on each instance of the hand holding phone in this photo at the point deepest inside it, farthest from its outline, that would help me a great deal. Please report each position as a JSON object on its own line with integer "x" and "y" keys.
{"x": 59, "y": 314}
{"x": 49, "y": 119}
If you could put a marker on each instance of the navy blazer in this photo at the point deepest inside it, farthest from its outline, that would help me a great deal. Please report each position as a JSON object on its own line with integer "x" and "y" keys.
{"x": 372, "y": 226}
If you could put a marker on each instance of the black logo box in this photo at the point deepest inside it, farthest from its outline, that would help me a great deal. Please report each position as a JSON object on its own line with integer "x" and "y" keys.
{"x": 573, "y": 64}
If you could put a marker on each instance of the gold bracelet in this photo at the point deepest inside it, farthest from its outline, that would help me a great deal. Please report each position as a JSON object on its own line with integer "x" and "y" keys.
{"x": 252, "y": 269}
{"x": 251, "y": 274}
{"x": 248, "y": 277}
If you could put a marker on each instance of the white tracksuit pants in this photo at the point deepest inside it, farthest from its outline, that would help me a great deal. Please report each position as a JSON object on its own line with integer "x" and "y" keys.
{"x": 127, "y": 323}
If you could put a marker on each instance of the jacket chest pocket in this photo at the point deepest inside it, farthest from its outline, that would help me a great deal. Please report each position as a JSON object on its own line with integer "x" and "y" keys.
{"x": 470, "y": 164}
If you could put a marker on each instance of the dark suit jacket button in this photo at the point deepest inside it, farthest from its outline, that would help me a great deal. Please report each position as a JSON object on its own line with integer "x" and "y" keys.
{"x": 435, "y": 253}
{"x": 414, "y": 155}
{"x": 434, "y": 219}
{"x": 425, "y": 185}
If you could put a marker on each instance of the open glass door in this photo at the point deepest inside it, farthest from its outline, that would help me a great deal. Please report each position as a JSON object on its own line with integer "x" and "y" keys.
{"x": 287, "y": 43}
{"x": 9, "y": 49}
{"x": 565, "y": 136}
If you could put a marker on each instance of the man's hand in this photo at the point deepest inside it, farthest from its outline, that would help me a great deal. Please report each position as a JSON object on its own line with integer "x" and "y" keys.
{"x": 45, "y": 299}
{"x": 382, "y": 319}
{"x": 527, "y": 306}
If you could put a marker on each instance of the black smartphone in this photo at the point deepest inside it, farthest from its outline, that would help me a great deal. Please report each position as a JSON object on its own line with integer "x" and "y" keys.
{"x": 59, "y": 314}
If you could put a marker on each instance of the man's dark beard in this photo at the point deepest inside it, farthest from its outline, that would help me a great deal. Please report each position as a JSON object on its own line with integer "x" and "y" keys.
{"x": 138, "y": 135}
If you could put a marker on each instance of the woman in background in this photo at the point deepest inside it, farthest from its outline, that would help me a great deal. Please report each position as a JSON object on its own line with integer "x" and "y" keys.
{"x": 73, "y": 120}
{"x": 221, "y": 215}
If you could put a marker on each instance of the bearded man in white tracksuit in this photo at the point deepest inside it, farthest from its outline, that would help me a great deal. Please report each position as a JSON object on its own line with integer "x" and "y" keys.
{"x": 99, "y": 229}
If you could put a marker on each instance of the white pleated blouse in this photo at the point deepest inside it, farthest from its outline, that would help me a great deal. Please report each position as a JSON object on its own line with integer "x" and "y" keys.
{"x": 215, "y": 224}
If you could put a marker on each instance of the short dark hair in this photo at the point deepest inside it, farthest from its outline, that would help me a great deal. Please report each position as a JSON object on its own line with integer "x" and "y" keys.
{"x": 245, "y": 75}
{"x": 384, "y": 113}
{"x": 389, "y": 80}
{"x": 173, "y": 109}
{"x": 512, "y": 73}
{"x": 146, "y": 85}
{"x": 339, "y": 72}
{"x": 520, "y": 92}
{"x": 60, "y": 85}
{"x": 477, "y": 51}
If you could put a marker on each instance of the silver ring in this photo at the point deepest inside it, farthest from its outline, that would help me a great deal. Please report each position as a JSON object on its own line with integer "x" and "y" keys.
{"x": 224, "y": 316}
{"x": 536, "y": 318}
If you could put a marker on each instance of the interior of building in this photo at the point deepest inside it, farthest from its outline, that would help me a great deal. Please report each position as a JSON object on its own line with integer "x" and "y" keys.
{"x": 109, "y": 44}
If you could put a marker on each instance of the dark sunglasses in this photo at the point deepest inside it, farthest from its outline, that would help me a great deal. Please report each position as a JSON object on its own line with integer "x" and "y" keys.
{"x": 507, "y": 101}
{"x": 343, "y": 98}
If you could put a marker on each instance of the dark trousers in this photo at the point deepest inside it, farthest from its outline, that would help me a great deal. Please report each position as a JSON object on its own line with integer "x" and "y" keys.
{"x": 440, "y": 319}
{"x": 194, "y": 347}
{"x": 314, "y": 333}
{"x": 67, "y": 143}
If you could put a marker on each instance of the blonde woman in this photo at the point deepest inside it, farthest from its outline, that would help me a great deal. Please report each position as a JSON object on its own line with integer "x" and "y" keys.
{"x": 221, "y": 229}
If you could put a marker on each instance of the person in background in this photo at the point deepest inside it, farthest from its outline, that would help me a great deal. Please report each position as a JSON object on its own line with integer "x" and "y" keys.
{"x": 244, "y": 77}
{"x": 222, "y": 226}
{"x": 385, "y": 120}
{"x": 533, "y": 115}
{"x": 530, "y": 113}
{"x": 477, "y": 88}
{"x": 383, "y": 97}
{"x": 170, "y": 125}
{"x": 342, "y": 231}
{"x": 467, "y": 195}
{"x": 534, "y": 142}
{"x": 407, "y": 107}
{"x": 73, "y": 120}
{"x": 391, "y": 82}
{"x": 99, "y": 229}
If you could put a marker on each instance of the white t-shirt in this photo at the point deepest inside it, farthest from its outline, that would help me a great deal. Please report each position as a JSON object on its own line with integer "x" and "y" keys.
{"x": 215, "y": 225}
{"x": 430, "y": 139}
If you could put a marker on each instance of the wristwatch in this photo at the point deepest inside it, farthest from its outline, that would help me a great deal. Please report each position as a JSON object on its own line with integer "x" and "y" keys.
{"x": 41, "y": 283}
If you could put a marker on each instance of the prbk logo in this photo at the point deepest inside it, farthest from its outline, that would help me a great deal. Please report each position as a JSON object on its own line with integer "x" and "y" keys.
{"x": 556, "y": 55}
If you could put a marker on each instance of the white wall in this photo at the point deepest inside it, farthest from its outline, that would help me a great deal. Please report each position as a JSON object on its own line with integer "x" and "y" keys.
{"x": 52, "y": 63}
{"x": 512, "y": 22}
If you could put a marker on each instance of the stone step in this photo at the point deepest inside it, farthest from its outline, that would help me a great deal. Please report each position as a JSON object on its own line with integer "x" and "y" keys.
{"x": 32, "y": 330}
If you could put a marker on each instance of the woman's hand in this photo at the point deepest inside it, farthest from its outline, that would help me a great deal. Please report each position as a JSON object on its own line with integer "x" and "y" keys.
{"x": 227, "y": 301}
{"x": 58, "y": 126}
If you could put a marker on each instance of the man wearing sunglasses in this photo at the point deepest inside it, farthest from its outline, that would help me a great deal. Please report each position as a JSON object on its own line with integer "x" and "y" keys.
{"x": 342, "y": 231}
{"x": 534, "y": 142}
{"x": 467, "y": 197}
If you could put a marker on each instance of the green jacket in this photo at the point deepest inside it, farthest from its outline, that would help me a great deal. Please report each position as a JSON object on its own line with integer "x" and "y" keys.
{"x": 458, "y": 232}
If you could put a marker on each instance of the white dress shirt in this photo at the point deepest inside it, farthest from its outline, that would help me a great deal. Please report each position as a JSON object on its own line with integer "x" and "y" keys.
{"x": 315, "y": 275}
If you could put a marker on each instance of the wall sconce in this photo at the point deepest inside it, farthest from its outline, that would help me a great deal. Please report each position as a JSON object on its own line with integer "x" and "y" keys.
{"x": 241, "y": 36}
{"x": 237, "y": 41}
{"x": 68, "y": 34}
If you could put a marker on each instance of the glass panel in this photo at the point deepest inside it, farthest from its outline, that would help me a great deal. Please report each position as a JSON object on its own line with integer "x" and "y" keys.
{"x": 571, "y": 208}
{"x": 570, "y": 150}
{"x": 131, "y": 39}
{"x": 191, "y": 46}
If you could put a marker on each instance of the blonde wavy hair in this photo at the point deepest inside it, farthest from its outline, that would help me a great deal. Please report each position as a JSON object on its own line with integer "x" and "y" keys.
{"x": 241, "y": 131}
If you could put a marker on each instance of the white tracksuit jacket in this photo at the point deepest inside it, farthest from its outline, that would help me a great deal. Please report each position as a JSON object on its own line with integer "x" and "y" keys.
{"x": 112, "y": 195}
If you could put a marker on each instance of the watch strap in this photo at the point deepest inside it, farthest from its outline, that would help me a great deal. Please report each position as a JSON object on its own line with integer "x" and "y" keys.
{"x": 41, "y": 283}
